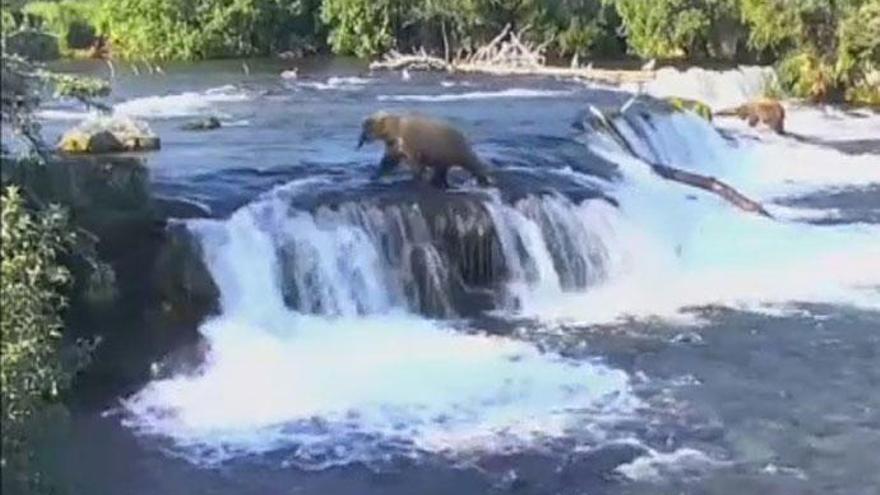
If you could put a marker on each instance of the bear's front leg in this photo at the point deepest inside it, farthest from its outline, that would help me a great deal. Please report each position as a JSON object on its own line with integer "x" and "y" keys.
{"x": 388, "y": 163}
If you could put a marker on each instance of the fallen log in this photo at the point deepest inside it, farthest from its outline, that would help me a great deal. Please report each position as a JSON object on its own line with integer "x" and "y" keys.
{"x": 418, "y": 61}
{"x": 704, "y": 182}
{"x": 710, "y": 184}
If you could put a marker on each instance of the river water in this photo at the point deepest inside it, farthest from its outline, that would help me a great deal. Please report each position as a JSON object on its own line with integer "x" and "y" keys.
{"x": 585, "y": 327}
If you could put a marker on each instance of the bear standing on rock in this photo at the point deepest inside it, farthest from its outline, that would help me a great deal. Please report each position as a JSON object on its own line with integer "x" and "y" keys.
{"x": 422, "y": 143}
{"x": 765, "y": 110}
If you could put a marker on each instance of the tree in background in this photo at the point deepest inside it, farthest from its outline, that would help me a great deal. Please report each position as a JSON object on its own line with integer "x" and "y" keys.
{"x": 361, "y": 27}
{"x": 679, "y": 28}
{"x": 858, "y": 63}
{"x": 171, "y": 29}
{"x": 824, "y": 46}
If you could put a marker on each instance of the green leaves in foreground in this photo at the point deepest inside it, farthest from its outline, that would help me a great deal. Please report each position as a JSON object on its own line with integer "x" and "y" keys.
{"x": 31, "y": 301}
{"x": 31, "y": 304}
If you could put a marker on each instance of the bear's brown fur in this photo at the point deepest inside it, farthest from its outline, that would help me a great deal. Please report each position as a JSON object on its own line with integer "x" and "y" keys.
{"x": 422, "y": 143}
{"x": 765, "y": 110}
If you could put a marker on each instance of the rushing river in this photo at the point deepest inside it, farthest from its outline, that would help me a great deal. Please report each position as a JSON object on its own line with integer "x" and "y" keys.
{"x": 585, "y": 327}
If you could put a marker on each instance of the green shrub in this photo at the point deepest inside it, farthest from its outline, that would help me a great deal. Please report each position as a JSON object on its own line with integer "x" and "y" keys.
{"x": 31, "y": 301}
{"x": 360, "y": 27}
{"x": 73, "y": 21}
{"x": 197, "y": 29}
{"x": 669, "y": 28}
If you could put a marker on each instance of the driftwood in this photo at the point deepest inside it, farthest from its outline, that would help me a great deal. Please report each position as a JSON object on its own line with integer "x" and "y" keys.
{"x": 507, "y": 55}
{"x": 704, "y": 182}
{"x": 710, "y": 184}
{"x": 395, "y": 60}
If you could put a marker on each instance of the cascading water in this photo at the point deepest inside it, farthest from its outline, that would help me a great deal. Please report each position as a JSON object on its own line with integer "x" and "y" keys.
{"x": 323, "y": 352}
{"x": 320, "y": 346}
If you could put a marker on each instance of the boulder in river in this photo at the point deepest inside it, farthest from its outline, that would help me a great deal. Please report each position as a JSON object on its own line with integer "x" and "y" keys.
{"x": 206, "y": 124}
{"x": 109, "y": 135}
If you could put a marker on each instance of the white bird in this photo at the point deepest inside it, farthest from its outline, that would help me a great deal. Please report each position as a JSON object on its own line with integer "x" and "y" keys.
{"x": 650, "y": 65}
{"x": 404, "y": 74}
{"x": 160, "y": 70}
{"x": 245, "y": 68}
{"x": 290, "y": 74}
{"x": 575, "y": 63}
{"x": 590, "y": 66}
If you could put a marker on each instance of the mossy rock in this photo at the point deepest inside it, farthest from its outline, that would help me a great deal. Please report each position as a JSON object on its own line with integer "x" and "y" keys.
{"x": 685, "y": 104}
{"x": 109, "y": 135}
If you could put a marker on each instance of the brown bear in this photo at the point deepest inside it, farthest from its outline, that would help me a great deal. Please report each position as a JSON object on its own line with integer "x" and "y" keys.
{"x": 765, "y": 110}
{"x": 422, "y": 143}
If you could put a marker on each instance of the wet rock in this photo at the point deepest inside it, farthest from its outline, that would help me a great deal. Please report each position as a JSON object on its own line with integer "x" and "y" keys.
{"x": 182, "y": 280}
{"x": 206, "y": 124}
{"x": 690, "y": 338}
{"x": 109, "y": 135}
{"x": 33, "y": 45}
{"x": 151, "y": 290}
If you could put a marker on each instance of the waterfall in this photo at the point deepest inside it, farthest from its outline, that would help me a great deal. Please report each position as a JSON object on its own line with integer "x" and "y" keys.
{"x": 361, "y": 258}
{"x": 340, "y": 335}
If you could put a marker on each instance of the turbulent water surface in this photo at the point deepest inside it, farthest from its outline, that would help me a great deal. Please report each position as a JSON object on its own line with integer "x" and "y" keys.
{"x": 583, "y": 327}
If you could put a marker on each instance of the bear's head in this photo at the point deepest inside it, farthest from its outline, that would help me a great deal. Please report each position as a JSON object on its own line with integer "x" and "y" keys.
{"x": 377, "y": 126}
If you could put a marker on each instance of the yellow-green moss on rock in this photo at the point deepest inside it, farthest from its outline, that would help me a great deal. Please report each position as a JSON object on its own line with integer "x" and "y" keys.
{"x": 685, "y": 104}
{"x": 109, "y": 135}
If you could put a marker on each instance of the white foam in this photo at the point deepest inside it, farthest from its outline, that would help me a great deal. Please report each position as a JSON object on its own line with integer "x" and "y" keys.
{"x": 479, "y": 95}
{"x": 336, "y": 83}
{"x": 698, "y": 250}
{"x": 64, "y": 115}
{"x": 182, "y": 104}
{"x": 655, "y": 465}
{"x": 337, "y": 390}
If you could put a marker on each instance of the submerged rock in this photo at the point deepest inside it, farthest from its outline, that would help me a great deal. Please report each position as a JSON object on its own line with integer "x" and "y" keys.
{"x": 206, "y": 124}
{"x": 109, "y": 135}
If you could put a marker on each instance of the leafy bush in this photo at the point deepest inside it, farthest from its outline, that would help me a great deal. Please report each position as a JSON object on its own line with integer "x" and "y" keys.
{"x": 171, "y": 29}
{"x": 577, "y": 27}
{"x": 826, "y": 48}
{"x": 71, "y": 20}
{"x": 858, "y": 64}
{"x": 31, "y": 300}
{"x": 360, "y": 27}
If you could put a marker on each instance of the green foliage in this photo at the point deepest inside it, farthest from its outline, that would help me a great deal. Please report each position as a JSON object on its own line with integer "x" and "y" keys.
{"x": 827, "y": 48}
{"x": 566, "y": 27}
{"x": 31, "y": 300}
{"x": 582, "y": 27}
{"x": 858, "y": 64}
{"x": 675, "y": 28}
{"x": 78, "y": 86}
{"x": 70, "y": 20}
{"x": 171, "y": 29}
{"x": 360, "y": 27}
